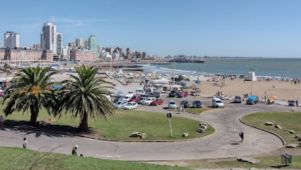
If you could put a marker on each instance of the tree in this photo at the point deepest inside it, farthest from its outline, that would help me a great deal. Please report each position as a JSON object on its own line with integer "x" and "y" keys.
{"x": 85, "y": 94}
{"x": 30, "y": 89}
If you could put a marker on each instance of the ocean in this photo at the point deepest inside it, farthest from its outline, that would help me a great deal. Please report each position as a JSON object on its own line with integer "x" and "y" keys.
{"x": 274, "y": 67}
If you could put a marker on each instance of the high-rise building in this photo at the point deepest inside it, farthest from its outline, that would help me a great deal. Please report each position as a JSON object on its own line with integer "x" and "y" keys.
{"x": 80, "y": 43}
{"x": 11, "y": 40}
{"x": 59, "y": 43}
{"x": 92, "y": 43}
{"x": 66, "y": 53}
{"x": 49, "y": 37}
{"x": 86, "y": 44}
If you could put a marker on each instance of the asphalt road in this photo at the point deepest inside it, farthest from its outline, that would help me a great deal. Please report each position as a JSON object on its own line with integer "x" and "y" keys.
{"x": 224, "y": 143}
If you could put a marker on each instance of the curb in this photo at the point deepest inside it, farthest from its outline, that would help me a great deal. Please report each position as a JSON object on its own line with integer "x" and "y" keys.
{"x": 278, "y": 136}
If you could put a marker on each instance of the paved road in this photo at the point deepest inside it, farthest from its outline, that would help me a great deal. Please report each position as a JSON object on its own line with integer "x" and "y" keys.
{"x": 219, "y": 145}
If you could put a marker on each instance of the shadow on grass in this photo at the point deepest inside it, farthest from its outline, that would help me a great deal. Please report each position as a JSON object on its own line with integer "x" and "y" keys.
{"x": 279, "y": 166}
{"x": 45, "y": 129}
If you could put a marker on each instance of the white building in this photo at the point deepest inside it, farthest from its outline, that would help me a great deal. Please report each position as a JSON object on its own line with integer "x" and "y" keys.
{"x": 49, "y": 37}
{"x": 11, "y": 40}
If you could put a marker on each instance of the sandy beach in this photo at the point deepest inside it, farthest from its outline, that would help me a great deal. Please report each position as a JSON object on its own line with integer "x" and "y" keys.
{"x": 282, "y": 89}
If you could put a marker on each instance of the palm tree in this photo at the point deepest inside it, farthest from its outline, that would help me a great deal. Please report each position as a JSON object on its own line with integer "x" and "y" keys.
{"x": 30, "y": 90}
{"x": 85, "y": 94}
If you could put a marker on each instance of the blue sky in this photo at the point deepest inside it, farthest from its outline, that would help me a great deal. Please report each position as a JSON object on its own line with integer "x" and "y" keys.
{"x": 270, "y": 28}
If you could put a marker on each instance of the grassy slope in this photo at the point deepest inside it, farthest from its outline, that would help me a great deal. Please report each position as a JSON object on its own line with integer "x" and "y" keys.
{"x": 265, "y": 162}
{"x": 14, "y": 158}
{"x": 288, "y": 120}
{"x": 123, "y": 123}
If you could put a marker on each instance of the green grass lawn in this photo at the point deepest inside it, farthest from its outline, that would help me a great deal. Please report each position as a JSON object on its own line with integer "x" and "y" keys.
{"x": 20, "y": 159}
{"x": 196, "y": 110}
{"x": 287, "y": 120}
{"x": 120, "y": 125}
{"x": 264, "y": 162}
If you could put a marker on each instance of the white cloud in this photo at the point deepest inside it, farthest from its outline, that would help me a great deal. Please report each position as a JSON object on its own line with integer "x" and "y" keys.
{"x": 72, "y": 22}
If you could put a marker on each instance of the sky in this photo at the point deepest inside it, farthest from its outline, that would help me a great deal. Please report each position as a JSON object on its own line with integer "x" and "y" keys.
{"x": 246, "y": 28}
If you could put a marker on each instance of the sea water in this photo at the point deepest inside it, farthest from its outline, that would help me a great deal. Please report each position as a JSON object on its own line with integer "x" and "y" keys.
{"x": 275, "y": 67}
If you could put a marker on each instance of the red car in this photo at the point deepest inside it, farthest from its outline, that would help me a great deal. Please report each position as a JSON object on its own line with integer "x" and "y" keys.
{"x": 156, "y": 102}
{"x": 182, "y": 94}
{"x": 136, "y": 98}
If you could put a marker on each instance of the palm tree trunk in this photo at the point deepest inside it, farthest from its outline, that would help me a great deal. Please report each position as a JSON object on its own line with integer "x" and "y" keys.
{"x": 34, "y": 115}
{"x": 84, "y": 122}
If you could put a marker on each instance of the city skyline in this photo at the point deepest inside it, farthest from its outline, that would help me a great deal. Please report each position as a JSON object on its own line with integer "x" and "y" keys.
{"x": 213, "y": 28}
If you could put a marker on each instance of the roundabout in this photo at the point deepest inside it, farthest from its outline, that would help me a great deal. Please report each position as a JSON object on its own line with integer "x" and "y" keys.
{"x": 223, "y": 143}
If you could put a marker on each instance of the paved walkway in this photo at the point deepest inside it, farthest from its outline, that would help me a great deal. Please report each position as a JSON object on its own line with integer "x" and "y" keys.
{"x": 219, "y": 145}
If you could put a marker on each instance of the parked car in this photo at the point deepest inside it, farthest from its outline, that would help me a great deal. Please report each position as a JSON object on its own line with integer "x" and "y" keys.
{"x": 172, "y": 104}
{"x": 130, "y": 106}
{"x": 197, "y": 104}
{"x": 154, "y": 94}
{"x": 140, "y": 91}
{"x": 272, "y": 99}
{"x": 120, "y": 104}
{"x": 117, "y": 99}
{"x": 194, "y": 93}
{"x": 142, "y": 98}
{"x": 185, "y": 103}
{"x": 217, "y": 102}
{"x": 292, "y": 103}
{"x": 252, "y": 100}
{"x": 182, "y": 94}
{"x": 156, "y": 102}
{"x": 124, "y": 99}
{"x": 172, "y": 93}
{"x": 135, "y": 98}
{"x": 148, "y": 101}
{"x": 237, "y": 99}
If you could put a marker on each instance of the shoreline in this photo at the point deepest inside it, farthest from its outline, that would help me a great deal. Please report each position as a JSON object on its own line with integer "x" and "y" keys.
{"x": 154, "y": 68}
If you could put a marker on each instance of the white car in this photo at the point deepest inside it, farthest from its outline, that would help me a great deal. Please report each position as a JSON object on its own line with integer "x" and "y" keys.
{"x": 148, "y": 101}
{"x": 124, "y": 99}
{"x": 140, "y": 91}
{"x": 120, "y": 104}
{"x": 172, "y": 104}
{"x": 130, "y": 106}
{"x": 217, "y": 102}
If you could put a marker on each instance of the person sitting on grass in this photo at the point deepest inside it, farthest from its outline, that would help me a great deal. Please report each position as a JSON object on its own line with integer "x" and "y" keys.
{"x": 25, "y": 142}
{"x": 74, "y": 150}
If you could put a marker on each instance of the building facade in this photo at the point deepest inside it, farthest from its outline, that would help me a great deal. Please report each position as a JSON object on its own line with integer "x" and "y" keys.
{"x": 49, "y": 37}
{"x": 82, "y": 56}
{"x": 11, "y": 40}
{"x": 80, "y": 43}
{"x": 59, "y": 43}
{"x": 92, "y": 43}
{"x": 28, "y": 56}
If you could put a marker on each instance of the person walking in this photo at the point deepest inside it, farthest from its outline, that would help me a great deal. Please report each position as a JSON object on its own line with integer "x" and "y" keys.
{"x": 25, "y": 143}
{"x": 74, "y": 150}
{"x": 241, "y": 135}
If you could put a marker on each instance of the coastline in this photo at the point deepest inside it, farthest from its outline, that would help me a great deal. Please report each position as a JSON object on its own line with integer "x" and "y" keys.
{"x": 163, "y": 69}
